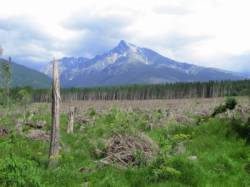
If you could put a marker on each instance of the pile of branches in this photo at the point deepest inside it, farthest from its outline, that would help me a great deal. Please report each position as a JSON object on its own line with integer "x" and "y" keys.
{"x": 125, "y": 150}
{"x": 4, "y": 131}
{"x": 37, "y": 134}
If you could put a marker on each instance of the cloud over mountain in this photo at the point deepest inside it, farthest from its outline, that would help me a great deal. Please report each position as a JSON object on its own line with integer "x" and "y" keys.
{"x": 209, "y": 32}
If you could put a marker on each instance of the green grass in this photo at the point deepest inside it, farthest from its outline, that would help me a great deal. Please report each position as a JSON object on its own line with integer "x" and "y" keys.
{"x": 223, "y": 158}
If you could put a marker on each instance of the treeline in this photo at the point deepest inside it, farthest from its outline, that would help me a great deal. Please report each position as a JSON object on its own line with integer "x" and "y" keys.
{"x": 154, "y": 91}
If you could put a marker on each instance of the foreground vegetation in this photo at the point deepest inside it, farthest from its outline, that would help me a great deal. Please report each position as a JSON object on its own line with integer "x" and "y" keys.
{"x": 210, "y": 150}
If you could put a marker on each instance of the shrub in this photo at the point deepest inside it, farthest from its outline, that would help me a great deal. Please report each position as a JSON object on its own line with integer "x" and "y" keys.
{"x": 160, "y": 170}
{"x": 242, "y": 128}
{"x": 219, "y": 109}
{"x": 16, "y": 171}
{"x": 190, "y": 172}
{"x": 247, "y": 168}
{"x": 230, "y": 103}
{"x": 165, "y": 172}
{"x": 180, "y": 137}
{"x": 24, "y": 97}
{"x": 92, "y": 112}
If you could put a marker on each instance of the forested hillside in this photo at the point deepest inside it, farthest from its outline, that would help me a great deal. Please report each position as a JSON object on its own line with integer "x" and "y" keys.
{"x": 22, "y": 76}
{"x": 155, "y": 91}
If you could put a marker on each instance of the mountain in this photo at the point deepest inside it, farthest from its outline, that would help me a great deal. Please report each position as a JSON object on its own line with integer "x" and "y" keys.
{"x": 23, "y": 76}
{"x": 69, "y": 68}
{"x": 246, "y": 74}
{"x": 129, "y": 64}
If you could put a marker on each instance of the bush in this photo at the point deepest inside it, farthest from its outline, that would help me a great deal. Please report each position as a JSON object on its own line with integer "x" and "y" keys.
{"x": 190, "y": 172}
{"x": 24, "y": 97}
{"x": 219, "y": 109}
{"x": 92, "y": 112}
{"x": 160, "y": 170}
{"x": 19, "y": 172}
{"x": 230, "y": 103}
{"x": 242, "y": 128}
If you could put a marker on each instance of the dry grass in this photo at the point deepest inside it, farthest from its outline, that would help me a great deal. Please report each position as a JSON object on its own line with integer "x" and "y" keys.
{"x": 176, "y": 109}
{"x": 175, "y": 106}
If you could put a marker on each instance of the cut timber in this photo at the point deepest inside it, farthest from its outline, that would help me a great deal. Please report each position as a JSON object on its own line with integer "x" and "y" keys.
{"x": 55, "y": 131}
{"x": 70, "y": 127}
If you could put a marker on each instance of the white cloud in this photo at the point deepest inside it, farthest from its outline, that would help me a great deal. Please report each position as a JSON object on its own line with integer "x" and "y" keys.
{"x": 208, "y": 32}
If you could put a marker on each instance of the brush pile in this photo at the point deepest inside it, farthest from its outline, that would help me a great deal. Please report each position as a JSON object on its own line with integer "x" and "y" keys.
{"x": 38, "y": 134}
{"x": 125, "y": 150}
{"x": 3, "y": 131}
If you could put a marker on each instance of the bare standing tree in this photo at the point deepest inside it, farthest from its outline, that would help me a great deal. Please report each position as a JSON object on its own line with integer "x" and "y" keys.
{"x": 19, "y": 128}
{"x": 1, "y": 51}
{"x": 70, "y": 127}
{"x": 55, "y": 131}
{"x": 5, "y": 73}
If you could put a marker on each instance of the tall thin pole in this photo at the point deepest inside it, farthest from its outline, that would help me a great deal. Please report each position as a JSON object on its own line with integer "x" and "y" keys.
{"x": 1, "y": 51}
{"x": 70, "y": 127}
{"x": 55, "y": 131}
{"x": 8, "y": 81}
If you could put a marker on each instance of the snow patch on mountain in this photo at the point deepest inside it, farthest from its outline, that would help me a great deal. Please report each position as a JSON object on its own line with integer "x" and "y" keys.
{"x": 128, "y": 63}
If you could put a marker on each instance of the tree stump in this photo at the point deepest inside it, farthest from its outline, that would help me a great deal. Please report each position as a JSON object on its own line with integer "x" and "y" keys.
{"x": 19, "y": 128}
{"x": 70, "y": 127}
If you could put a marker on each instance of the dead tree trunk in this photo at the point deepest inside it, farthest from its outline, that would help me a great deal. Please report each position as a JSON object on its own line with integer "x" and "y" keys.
{"x": 70, "y": 127}
{"x": 19, "y": 129}
{"x": 55, "y": 131}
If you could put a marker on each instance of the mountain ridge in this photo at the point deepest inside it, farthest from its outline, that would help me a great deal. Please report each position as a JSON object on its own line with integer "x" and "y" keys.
{"x": 128, "y": 64}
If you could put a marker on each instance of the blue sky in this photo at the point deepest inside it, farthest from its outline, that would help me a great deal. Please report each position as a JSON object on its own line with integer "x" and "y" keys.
{"x": 212, "y": 33}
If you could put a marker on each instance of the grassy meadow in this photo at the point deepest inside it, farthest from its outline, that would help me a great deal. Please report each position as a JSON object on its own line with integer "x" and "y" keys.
{"x": 129, "y": 143}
